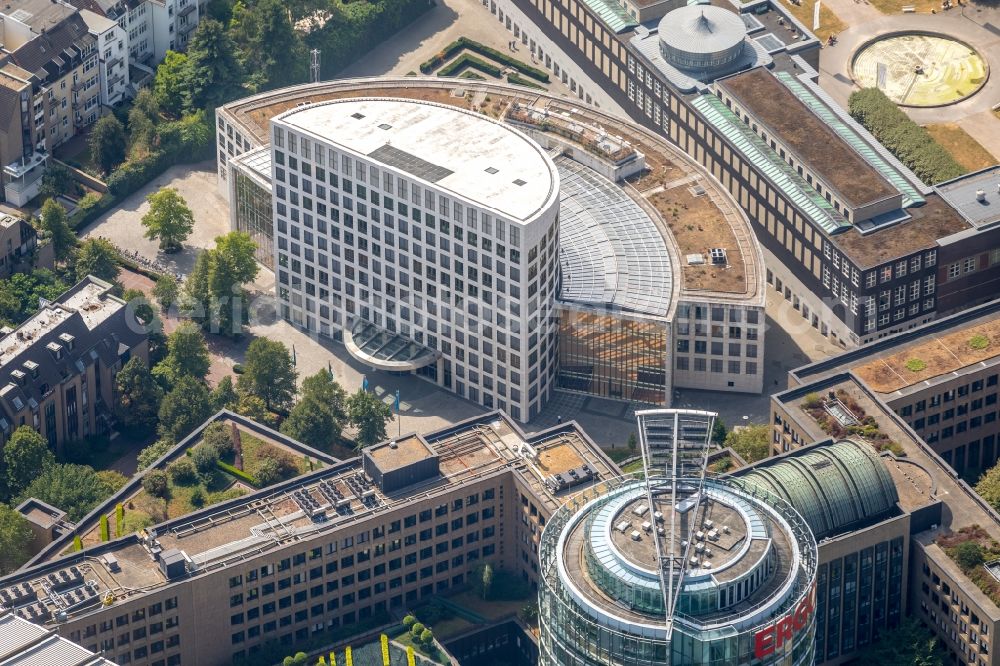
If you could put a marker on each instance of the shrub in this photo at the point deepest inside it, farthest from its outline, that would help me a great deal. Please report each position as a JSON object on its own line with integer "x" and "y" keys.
{"x": 105, "y": 528}
{"x": 417, "y": 629}
{"x": 811, "y": 401}
{"x": 267, "y": 472}
{"x": 500, "y": 56}
{"x": 205, "y": 458}
{"x": 218, "y": 437}
{"x": 119, "y": 520}
{"x": 967, "y": 555}
{"x": 908, "y": 141}
{"x": 183, "y": 472}
{"x": 238, "y": 368}
{"x": 915, "y": 365}
{"x": 979, "y": 342}
{"x": 198, "y": 498}
{"x": 426, "y": 636}
{"x": 409, "y": 621}
{"x": 155, "y": 483}
{"x": 519, "y": 80}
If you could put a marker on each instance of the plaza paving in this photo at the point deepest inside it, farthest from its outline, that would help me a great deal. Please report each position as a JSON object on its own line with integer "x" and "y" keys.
{"x": 975, "y": 25}
{"x": 425, "y": 407}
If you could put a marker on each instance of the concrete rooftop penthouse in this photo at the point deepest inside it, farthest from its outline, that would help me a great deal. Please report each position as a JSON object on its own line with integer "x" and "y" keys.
{"x": 472, "y": 156}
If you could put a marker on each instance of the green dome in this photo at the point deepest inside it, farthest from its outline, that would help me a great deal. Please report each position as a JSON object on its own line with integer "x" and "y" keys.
{"x": 833, "y": 487}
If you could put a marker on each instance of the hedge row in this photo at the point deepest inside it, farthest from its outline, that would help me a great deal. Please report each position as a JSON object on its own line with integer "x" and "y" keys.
{"x": 908, "y": 141}
{"x": 500, "y": 56}
{"x": 429, "y": 66}
{"x": 519, "y": 80}
{"x": 472, "y": 61}
{"x": 81, "y": 217}
{"x": 181, "y": 143}
{"x": 238, "y": 473}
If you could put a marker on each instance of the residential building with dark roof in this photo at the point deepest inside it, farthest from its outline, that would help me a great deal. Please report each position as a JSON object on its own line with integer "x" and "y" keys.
{"x": 855, "y": 242}
{"x": 58, "y": 368}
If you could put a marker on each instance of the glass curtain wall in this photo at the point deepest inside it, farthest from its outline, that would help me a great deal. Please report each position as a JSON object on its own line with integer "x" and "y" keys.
{"x": 613, "y": 357}
{"x": 253, "y": 216}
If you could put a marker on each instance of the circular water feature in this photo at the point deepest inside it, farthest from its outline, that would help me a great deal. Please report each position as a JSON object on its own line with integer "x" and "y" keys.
{"x": 920, "y": 69}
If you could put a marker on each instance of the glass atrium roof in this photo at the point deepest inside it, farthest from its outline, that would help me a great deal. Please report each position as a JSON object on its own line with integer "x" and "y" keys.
{"x": 385, "y": 350}
{"x": 611, "y": 252}
{"x": 834, "y": 487}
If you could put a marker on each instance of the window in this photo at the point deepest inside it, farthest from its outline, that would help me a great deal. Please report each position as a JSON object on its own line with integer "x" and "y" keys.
{"x": 969, "y": 265}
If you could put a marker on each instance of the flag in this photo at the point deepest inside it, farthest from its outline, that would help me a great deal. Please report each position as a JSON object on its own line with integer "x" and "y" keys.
{"x": 397, "y": 401}
{"x": 364, "y": 382}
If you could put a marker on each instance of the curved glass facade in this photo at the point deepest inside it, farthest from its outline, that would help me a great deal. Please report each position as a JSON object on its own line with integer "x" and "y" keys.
{"x": 599, "y": 607}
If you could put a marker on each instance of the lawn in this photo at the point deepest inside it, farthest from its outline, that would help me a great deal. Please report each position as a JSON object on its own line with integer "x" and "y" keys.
{"x": 255, "y": 450}
{"x": 829, "y": 23}
{"x": 967, "y": 151}
{"x": 431, "y": 653}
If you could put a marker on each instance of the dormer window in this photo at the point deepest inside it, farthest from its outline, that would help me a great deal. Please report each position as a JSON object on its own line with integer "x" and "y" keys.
{"x": 32, "y": 368}
{"x": 67, "y": 340}
{"x": 56, "y": 349}
{"x": 19, "y": 377}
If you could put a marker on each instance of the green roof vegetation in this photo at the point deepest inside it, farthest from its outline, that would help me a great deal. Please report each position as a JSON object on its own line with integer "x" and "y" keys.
{"x": 758, "y": 153}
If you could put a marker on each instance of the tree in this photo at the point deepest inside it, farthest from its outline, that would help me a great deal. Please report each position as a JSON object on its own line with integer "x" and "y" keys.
{"x": 752, "y": 442}
{"x": 20, "y": 294}
{"x": 205, "y": 458}
{"x": 165, "y": 291}
{"x": 224, "y": 396}
{"x": 168, "y": 86}
{"x": 719, "y": 431}
{"x": 154, "y": 452}
{"x": 187, "y": 355}
{"x": 318, "y": 416}
{"x": 268, "y": 373}
{"x": 138, "y": 395}
{"x": 15, "y": 539}
{"x": 272, "y": 52}
{"x": 417, "y": 629}
{"x": 183, "y": 472}
{"x": 107, "y": 143}
{"x": 426, "y": 636}
{"x": 54, "y": 223}
{"x": 139, "y": 304}
{"x": 233, "y": 264}
{"x": 633, "y": 443}
{"x": 988, "y": 486}
{"x": 369, "y": 415}
{"x": 26, "y": 455}
{"x": 169, "y": 219}
{"x": 97, "y": 257}
{"x": 155, "y": 483}
{"x": 909, "y": 644}
{"x": 57, "y": 181}
{"x": 254, "y": 409}
{"x": 76, "y": 489}
{"x": 184, "y": 408}
{"x": 219, "y": 436}
{"x": 212, "y": 74}
{"x": 142, "y": 120}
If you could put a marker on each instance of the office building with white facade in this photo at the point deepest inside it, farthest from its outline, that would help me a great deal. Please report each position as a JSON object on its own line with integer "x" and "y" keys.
{"x": 408, "y": 205}
{"x": 501, "y": 243}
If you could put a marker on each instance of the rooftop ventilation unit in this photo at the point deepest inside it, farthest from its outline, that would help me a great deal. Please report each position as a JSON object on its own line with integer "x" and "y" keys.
{"x": 718, "y": 255}
{"x": 696, "y": 259}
